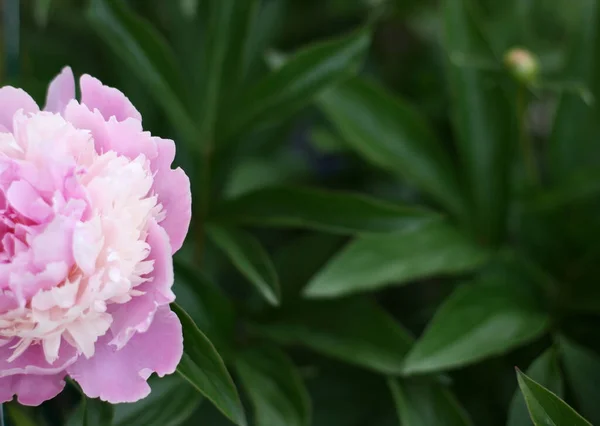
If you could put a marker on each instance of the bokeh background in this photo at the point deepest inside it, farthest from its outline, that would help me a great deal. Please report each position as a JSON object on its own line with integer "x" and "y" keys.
{"x": 478, "y": 236}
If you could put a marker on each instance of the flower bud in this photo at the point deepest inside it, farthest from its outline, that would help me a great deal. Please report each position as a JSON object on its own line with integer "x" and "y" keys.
{"x": 522, "y": 64}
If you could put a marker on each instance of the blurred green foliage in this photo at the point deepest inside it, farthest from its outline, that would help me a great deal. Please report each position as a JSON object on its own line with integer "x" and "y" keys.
{"x": 386, "y": 221}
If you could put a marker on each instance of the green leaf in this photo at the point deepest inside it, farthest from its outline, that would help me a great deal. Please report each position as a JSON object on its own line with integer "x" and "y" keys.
{"x": 322, "y": 210}
{"x": 544, "y": 370}
{"x": 219, "y": 30}
{"x": 376, "y": 261}
{"x": 274, "y": 387}
{"x": 240, "y": 54}
{"x": 545, "y": 408}
{"x": 423, "y": 402}
{"x": 171, "y": 402}
{"x": 355, "y": 331}
{"x": 250, "y": 258}
{"x": 391, "y": 135}
{"x": 92, "y": 412}
{"x": 23, "y": 416}
{"x": 211, "y": 310}
{"x": 146, "y": 54}
{"x": 582, "y": 368}
{"x": 580, "y": 187}
{"x": 484, "y": 123}
{"x": 574, "y": 138}
{"x": 292, "y": 86}
{"x": 202, "y": 366}
{"x": 488, "y": 316}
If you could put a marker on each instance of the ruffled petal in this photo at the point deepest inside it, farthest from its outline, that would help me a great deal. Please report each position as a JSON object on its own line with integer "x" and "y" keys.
{"x": 118, "y": 376}
{"x": 124, "y": 137}
{"x": 31, "y": 389}
{"x": 173, "y": 190}
{"x": 33, "y": 361}
{"x": 136, "y": 315}
{"x": 108, "y": 100}
{"x": 11, "y": 101}
{"x": 61, "y": 91}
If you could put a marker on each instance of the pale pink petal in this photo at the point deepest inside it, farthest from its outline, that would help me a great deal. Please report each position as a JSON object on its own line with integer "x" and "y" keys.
{"x": 33, "y": 361}
{"x": 109, "y": 101}
{"x": 25, "y": 200}
{"x": 60, "y": 91}
{"x": 12, "y": 100}
{"x": 124, "y": 137}
{"x": 25, "y": 284}
{"x": 173, "y": 190}
{"x": 87, "y": 243}
{"x": 55, "y": 243}
{"x": 120, "y": 376}
{"x": 136, "y": 315}
{"x": 31, "y": 389}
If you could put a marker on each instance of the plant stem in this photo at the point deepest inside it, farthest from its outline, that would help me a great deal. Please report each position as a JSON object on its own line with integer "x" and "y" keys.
{"x": 10, "y": 23}
{"x": 526, "y": 143}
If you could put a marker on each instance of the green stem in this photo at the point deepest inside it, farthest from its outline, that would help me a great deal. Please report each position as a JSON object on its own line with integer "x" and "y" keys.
{"x": 10, "y": 24}
{"x": 524, "y": 137}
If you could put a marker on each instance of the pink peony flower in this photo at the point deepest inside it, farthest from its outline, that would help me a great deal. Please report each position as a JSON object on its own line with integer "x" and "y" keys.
{"x": 90, "y": 215}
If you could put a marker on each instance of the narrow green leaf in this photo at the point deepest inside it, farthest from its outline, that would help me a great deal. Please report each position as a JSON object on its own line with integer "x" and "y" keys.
{"x": 292, "y": 86}
{"x": 544, "y": 370}
{"x": 239, "y": 54}
{"x": 171, "y": 402}
{"x": 484, "y": 121}
{"x": 274, "y": 387}
{"x": 580, "y": 187}
{"x": 21, "y": 415}
{"x": 92, "y": 412}
{"x": 488, "y": 316}
{"x": 251, "y": 259}
{"x": 220, "y": 27}
{"x": 582, "y": 367}
{"x": 146, "y": 54}
{"x": 202, "y": 366}
{"x": 322, "y": 210}
{"x": 573, "y": 135}
{"x": 423, "y": 402}
{"x": 545, "y": 408}
{"x": 376, "y": 261}
{"x": 355, "y": 331}
{"x": 391, "y": 135}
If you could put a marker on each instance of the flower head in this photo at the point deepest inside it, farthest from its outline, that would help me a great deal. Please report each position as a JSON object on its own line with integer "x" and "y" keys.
{"x": 522, "y": 64}
{"x": 90, "y": 215}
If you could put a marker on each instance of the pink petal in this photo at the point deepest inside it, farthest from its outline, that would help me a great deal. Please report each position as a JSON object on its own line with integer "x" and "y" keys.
{"x": 25, "y": 200}
{"x": 12, "y": 100}
{"x": 55, "y": 243}
{"x": 136, "y": 315}
{"x": 60, "y": 91}
{"x": 120, "y": 375}
{"x": 173, "y": 190}
{"x": 87, "y": 244}
{"x": 124, "y": 137}
{"x": 33, "y": 361}
{"x": 31, "y": 389}
{"x": 109, "y": 101}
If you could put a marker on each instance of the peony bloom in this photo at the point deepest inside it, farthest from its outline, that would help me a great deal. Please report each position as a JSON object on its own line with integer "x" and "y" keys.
{"x": 90, "y": 215}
